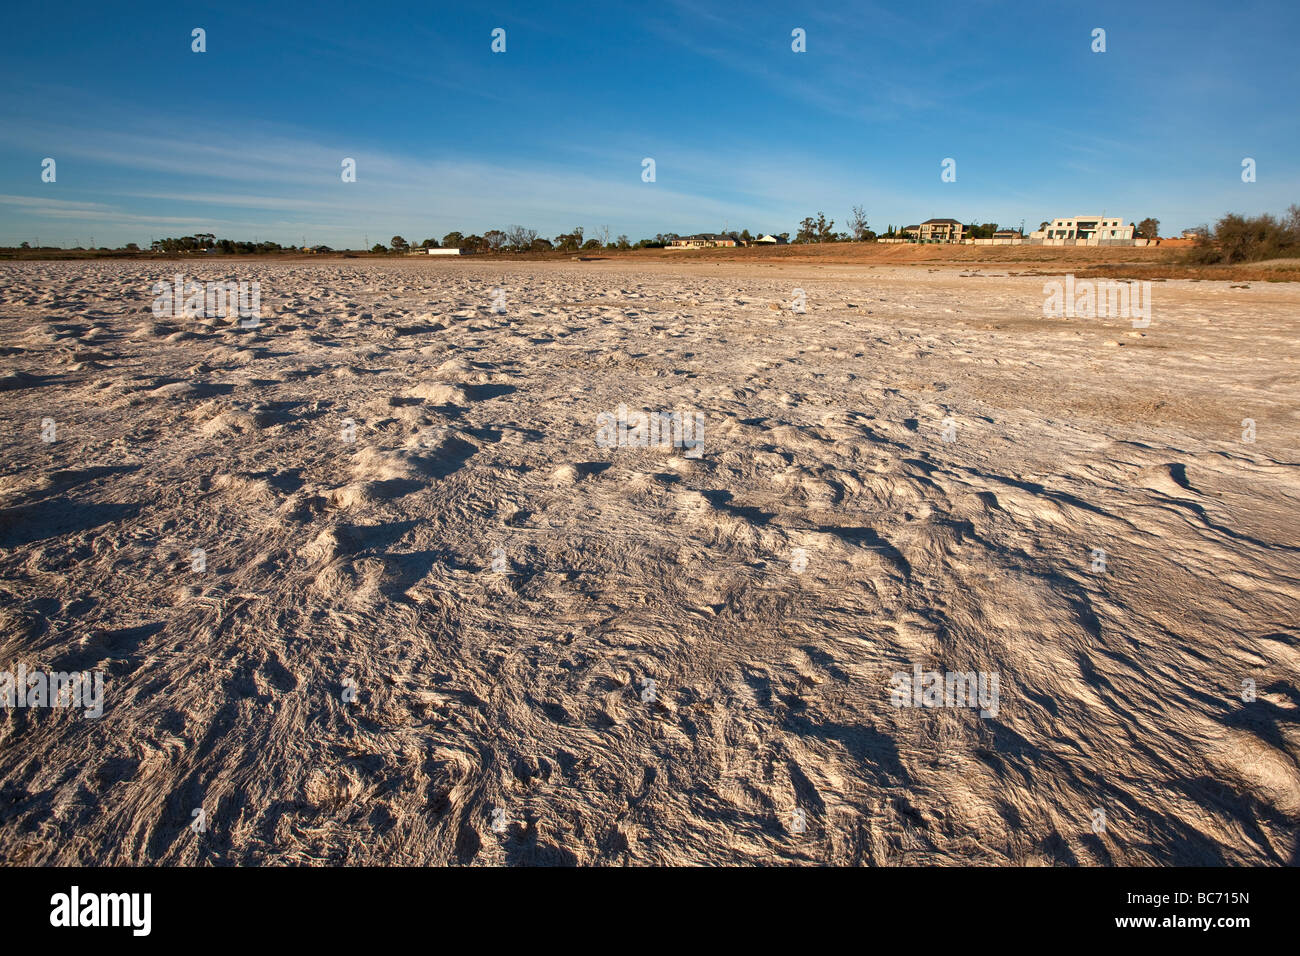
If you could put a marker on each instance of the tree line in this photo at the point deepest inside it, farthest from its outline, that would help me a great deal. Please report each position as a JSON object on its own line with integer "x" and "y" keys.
{"x": 523, "y": 239}
{"x": 1234, "y": 238}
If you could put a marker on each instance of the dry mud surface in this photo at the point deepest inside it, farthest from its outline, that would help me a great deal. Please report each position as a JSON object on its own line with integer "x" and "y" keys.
{"x": 503, "y": 708}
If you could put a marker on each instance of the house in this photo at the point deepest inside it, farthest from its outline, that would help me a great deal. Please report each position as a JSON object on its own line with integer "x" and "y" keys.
{"x": 704, "y": 240}
{"x": 937, "y": 230}
{"x": 1086, "y": 228}
{"x": 769, "y": 241}
{"x": 1008, "y": 234}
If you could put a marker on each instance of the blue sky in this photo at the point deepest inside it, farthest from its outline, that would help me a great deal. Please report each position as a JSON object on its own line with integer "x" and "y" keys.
{"x": 246, "y": 140}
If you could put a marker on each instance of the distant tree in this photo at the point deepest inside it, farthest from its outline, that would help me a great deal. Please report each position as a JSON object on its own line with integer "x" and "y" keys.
{"x": 132, "y": 247}
{"x": 818, "y": 230}
{"x": 399, "y": 244}
{"x": 203, "y": 242}
{"x": 592, "y": 244}
{"x": 541, "y": 245}
{"x": 744, "y": 235}
{"x": 24, "y": 246}
{"x": 569, "y": 242}
{"x": 1043, "y": 225}
{"x": 452, "y": 240}
{"x": 660, "y": 240}
{"x": 622, "y": 243}
{"x": 520, "y": 239}
{"x": 378, "y": 247}
{"x": 1149, "y": 229}
{"x": 473, "y": 243}
{"x": 857, "y": 223}
{"x": 429, "y": 244}
{"x": 1292, "y": 222}
{"x": 494, "y": 239}
{"x": 783, "y": 235}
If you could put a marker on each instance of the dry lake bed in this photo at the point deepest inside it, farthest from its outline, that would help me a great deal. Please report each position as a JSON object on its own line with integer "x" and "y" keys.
{"x": 649, "y": 563}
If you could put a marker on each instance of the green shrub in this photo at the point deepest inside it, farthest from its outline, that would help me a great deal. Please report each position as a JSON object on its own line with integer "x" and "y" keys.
{"x": 1249, "y": 239}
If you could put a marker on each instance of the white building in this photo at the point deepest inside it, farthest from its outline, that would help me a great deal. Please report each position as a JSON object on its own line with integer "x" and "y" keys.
{"x": 1085, "y": 229}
